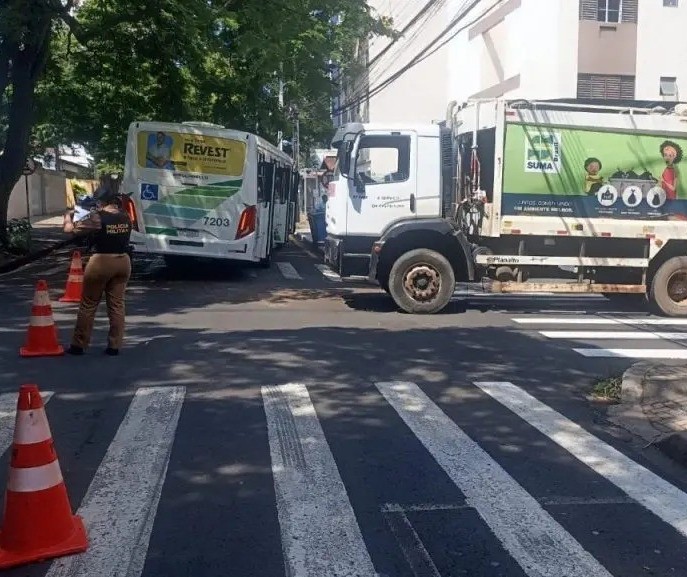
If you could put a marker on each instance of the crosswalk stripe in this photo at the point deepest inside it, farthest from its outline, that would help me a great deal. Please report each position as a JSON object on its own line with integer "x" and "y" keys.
{"x": 673, "y": 354}
{"x": 328, "y": 273}
{"x": 8, "y": 414}
{"x": 534, "y": 539}
{"x": 656, "y": 494}
{"x": 120, "y": 505}
{"x": 410, "y": 543}
{"x": 611, "y": 335}
{"x": 320, "y": 534}
{"x": 288, "y": 271}
{"x": 537, "y": 320}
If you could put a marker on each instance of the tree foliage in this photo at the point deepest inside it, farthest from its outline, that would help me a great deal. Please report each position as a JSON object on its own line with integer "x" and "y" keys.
{"x": 81, "y": 72}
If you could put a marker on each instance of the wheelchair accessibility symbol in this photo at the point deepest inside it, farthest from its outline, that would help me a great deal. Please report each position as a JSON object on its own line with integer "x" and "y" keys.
{"x": 149, "y": 191}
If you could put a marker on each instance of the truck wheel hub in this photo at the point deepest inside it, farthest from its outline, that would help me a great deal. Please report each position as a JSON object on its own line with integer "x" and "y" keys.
{"x": 422, "y": 283}
{"x": 677, "y": 287}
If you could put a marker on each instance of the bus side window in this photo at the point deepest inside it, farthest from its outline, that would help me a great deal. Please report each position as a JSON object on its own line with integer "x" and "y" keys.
{"x": 277, "y": 184}
{"x": 261, "y": 181}
{"x": 269, "y": 182}
{"x": 284, "y": 185}
{"x": 296, "y": 184}
{"x": 288, "y": 185}
{"x": 295, "y": 181}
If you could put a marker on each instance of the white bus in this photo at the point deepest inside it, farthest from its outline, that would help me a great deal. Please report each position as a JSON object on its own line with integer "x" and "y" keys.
{"x": 201, "y": 190}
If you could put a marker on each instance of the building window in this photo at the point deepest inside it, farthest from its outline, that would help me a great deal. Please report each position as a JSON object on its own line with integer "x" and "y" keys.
{"x": 670, "y": 3}
{"x": 668, "y": 86}
{"x": 605, "y": 87}
{"x": 609, "y": 10}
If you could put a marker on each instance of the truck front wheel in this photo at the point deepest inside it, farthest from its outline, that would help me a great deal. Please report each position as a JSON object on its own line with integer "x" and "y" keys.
{"x": 669, "y": 287}
{"x": 422, "y": 282}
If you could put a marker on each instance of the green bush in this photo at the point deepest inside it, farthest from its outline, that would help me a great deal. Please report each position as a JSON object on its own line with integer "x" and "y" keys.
{"x": 19, "y": 235}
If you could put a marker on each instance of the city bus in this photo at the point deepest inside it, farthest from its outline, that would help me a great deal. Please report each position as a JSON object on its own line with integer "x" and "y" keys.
{"x": 196, "y": 189}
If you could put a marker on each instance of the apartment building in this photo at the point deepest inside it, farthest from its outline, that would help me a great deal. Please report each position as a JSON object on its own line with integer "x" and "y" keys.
{"x": 586, "y": 49}
{"x": 418, "y": 95}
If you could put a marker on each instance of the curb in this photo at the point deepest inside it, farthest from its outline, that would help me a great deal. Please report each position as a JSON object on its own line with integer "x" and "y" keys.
{"x": 630, "y": 415}
{"x": 34, "y": 256}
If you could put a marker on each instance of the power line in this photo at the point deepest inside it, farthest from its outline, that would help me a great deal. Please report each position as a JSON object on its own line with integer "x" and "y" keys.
{"x": 414, "y": 61}
{"x": 405, "y": 29}
{"x": 422, "y": 55}
{"x": 372, "y": 75}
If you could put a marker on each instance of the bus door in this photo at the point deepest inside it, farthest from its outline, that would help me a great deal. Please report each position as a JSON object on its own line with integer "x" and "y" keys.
{"x": 295, "y": 197}
{"x": 279, "y": 206}
{"x": 263, "y": 245}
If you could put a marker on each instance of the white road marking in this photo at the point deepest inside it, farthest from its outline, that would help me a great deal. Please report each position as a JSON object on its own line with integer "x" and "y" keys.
{"x": 612, "y": 335}
{"x": 633, "y": 353}
{"x": 551, "y": 501}
{"x": 120, "y": 505}
{"x": 519, "y": 296}
{"x": 534, "y": 320}
{"x": 320, "y": 534}
{"x": 8, "y": 415}
{"x": 410, "y": 543}
{"x": 648, "y": 489}
{"x": 534, "y": 539}
{"x": 288, "y": 271}
{"x": 328, "y": 273}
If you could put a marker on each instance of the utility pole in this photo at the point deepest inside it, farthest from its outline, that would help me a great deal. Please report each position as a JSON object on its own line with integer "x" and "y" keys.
{"x": 280, "y": 134}
{"x": 294, "y": 115}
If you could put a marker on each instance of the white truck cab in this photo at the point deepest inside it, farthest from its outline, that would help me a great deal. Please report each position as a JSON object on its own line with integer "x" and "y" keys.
{"x": 375, "y": 184}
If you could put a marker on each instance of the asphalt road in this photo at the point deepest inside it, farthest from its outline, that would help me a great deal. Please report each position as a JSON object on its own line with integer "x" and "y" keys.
{"x": 281, "y": 422}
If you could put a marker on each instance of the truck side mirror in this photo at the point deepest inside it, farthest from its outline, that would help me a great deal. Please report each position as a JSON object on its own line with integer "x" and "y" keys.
{"x": 345, "y": 159}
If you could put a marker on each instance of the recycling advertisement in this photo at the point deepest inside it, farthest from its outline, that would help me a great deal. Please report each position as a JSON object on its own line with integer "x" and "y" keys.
{"x": 574, "y": 172}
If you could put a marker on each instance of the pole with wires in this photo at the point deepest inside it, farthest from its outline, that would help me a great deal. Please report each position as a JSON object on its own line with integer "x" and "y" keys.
{"x": 434, "y": 46}
{"x": 280, "y": 134}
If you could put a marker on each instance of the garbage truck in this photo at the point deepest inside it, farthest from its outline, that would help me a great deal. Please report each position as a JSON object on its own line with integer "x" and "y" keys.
{"x": 520, "y": 195}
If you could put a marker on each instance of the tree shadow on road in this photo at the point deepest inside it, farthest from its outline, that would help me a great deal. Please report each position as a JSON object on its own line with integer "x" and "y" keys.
{"x": 220, "y": 480}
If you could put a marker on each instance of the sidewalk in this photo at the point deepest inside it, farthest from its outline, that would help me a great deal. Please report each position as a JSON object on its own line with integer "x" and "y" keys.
{"x": 46, "y": 236}
{"x": 654, "y": 406}
{"x": 303, "y": 232}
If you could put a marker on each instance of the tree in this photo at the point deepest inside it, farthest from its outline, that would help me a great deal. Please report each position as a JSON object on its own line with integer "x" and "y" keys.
{"x": 82, "y": 74}
{"x": 25, "y": 34}
{"x": 209, "y": 60}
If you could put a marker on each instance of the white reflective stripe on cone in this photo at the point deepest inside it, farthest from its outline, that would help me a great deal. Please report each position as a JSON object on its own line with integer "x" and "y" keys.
{"x": 41, "y": 298}
{"x": 35, "y": 478}
{"x": 31, "y": 427}
{"x": 41, "y": 321}
{"x": 75, "y": 277}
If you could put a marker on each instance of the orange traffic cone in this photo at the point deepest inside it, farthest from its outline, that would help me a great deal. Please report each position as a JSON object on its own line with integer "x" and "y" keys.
{"x": 37, "y": 519}
{"x": 41, "y": 338}
{"x": 72, "y": 292}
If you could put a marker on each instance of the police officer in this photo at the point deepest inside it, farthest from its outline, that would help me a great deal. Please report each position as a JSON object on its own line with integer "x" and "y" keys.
{"x": 108, "y": 269}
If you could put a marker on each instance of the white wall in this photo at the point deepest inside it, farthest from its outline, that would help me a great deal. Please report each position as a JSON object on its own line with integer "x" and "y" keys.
{"x": 537, "y": 41}
{"x": 419, "y": 96}
{"x": 661, "y": 48}
{"x": 47, "y": 194}
{"x": 550, "y": 54}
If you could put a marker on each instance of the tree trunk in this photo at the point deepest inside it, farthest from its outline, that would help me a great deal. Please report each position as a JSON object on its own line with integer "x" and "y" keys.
{"x": 27, "y": 66}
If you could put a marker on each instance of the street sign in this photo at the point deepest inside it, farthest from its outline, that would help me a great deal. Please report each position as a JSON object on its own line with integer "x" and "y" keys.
{"x": 29, "y": 167}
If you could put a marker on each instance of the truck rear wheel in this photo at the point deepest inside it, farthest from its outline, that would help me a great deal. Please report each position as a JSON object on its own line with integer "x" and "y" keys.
{"x": 422, "y": 282}
{"x": 669, "y": 287}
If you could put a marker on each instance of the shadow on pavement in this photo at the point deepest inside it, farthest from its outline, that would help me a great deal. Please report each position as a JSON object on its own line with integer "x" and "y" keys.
{"x": 220, "y": 481}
